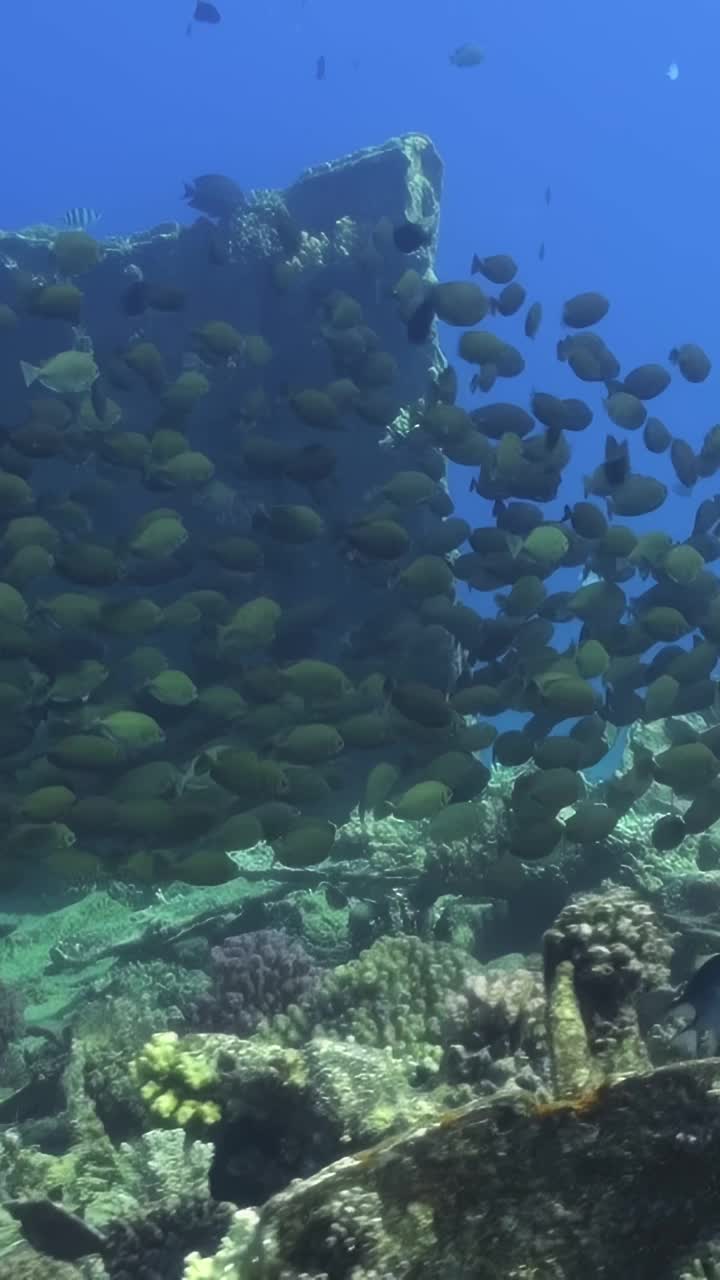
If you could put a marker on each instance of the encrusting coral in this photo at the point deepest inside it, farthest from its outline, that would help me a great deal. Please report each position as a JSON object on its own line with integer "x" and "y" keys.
{"x": 602, "y": 952}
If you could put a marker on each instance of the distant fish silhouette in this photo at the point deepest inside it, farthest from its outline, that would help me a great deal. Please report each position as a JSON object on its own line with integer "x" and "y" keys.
{"x": 320, "y": 67}
{"x": 409, "y": 236}
{"x": 79, "y": 218}
{"x": 204, "y": 12}
{"x": 54, "y": 1230}
{"x": 702, "y": 993}
{"x": 420, "y": 323}
{"x": 214, "y": 194}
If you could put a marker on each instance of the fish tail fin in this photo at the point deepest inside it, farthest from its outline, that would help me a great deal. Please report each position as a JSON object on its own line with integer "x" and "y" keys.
{"x": 29, "y": 372}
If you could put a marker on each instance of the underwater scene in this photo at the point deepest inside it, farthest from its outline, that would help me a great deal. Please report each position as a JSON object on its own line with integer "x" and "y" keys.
{"x": 359, "y": 642}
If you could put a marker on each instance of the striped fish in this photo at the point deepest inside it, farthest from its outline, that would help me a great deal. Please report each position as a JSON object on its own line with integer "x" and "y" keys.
{"x": 80, "y": 217}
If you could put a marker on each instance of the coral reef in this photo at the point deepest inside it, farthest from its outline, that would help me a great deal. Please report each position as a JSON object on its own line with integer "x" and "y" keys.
{"x": 505, "y": 1189}
{"x": 603, "y": 951}
{"x": 254, "y": 977}
{"x": 278, "y": 1011}
{"x": 154, "y": 1246}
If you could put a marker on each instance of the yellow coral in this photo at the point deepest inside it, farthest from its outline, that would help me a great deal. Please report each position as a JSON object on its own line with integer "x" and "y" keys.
{"x": 166, "y": 1073}
{"x": 196, "y": 1073}
{"x": 194, "y": 1111}
{"x": 165, "y": 1104}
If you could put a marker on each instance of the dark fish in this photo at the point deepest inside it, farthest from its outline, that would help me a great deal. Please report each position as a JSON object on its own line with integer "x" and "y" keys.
{"x": 134, "y": 299}
{"x": 548, "y": 195}
{"x": 617, "y": 460}
{"x": 708, "y": 514}
{"x": 532, "y": 319}
{"x": 55, "y": 1231}
{"x": 467, "y": 55}
{"x": 214, "y": 194}
{"x": 553, "y": 434}
{"x": 419, "y": 326}
{"x": 702, "y": 991}
{"x": 335, "y": 897}
{"x": 204, "y": 12}
{"x": 498, "y": 268}
{"x": 320, "y": 68}
{"x": 484, "y": 379}
{"x": 541, "y": 250}
{"x": 80, "y": 217}
{"x": 409, "y": 236}
{"x": 684, "y": 462}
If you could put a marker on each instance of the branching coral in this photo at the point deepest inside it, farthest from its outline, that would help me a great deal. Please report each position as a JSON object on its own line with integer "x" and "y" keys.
{"x": 175, "y": 1079}
{"x": 255, "y": 976}
{"x": 495, "y": 1030}
{"x": 153, "y": 1247}
{"x": 393, "y": 996}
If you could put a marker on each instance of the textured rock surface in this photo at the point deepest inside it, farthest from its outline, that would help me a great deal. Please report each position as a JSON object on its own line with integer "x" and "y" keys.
{"x": 621, "y": 1183}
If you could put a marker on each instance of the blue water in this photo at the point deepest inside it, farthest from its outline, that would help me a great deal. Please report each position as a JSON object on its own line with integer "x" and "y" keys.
{"x": 111, "y": 105}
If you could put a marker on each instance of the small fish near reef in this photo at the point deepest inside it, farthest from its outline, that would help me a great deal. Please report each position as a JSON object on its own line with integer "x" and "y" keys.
{"x": 80, "y": 217}
{"x": 702, "y": 993}
{"x": 204, "y": 12}
{"x": 410, "y": 236}
{"x": 55, "y": 1231}
{"x": 214, "y": 195}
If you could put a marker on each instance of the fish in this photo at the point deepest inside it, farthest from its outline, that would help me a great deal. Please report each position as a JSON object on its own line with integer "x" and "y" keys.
{"x": 419, "y": 326}
{"x": 548, "y": 195}
{"x": 134, "y": 299}
{"x": 702, "y": 993}
{"x": 214, "y": 195}
{"x": 80, "y": 217}
{"x": 55, "y": 1231}
{"x": 673, "y": 71}
{"x": 409, "y": 236}
{"x": 320, "y": 68}
{"x": 67, "y": 373}
{"x": 467, "y": 55}
{"x": 532, "y": 319}
{"x": 707, "y": 515}
{"x": 204, "y": 12}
